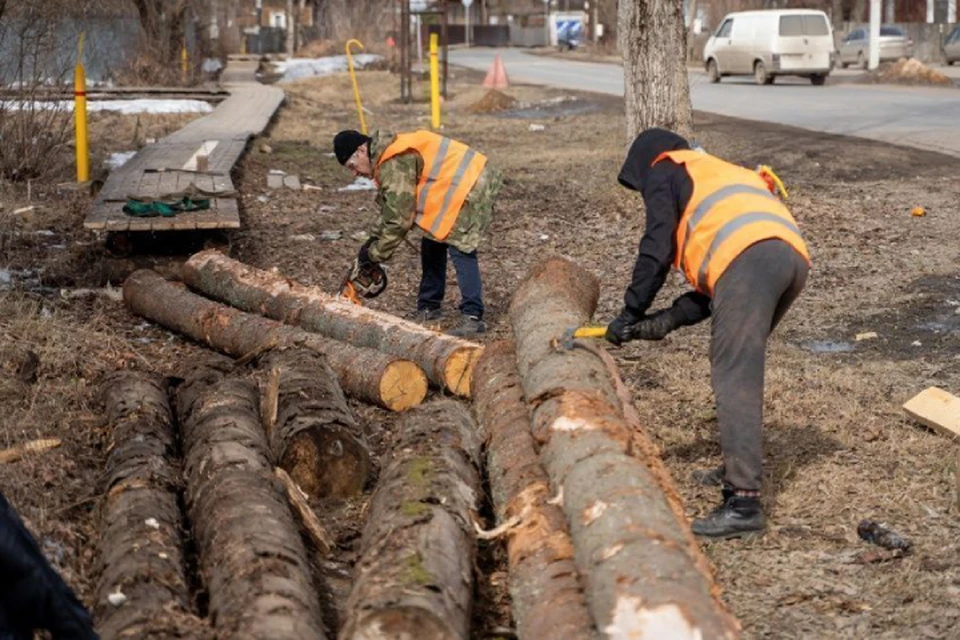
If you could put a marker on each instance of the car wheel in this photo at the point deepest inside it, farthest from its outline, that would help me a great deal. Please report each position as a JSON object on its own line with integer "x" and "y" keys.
{"x": 861, "y": 61}
{"x": 818, "y": 80}
{"x": 760, "y": 74}
{"x": 712, "y": 71}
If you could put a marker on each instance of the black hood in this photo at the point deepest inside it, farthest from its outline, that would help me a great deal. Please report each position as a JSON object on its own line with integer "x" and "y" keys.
{"x": 644, "y": 150}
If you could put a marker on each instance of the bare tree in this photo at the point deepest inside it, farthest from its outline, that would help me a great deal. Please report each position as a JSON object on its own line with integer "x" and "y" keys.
{"x": 163, "y": 22}
{"x": 652, "y": 39}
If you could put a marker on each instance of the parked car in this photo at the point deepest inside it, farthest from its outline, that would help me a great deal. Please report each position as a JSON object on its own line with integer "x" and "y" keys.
{"x": 767, "y": 44}
{"x": 894, "y": 44}
{"x": 951, "y": 46}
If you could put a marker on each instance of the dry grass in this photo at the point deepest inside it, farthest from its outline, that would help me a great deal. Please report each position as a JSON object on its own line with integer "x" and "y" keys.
{"x": 838, "y": 446}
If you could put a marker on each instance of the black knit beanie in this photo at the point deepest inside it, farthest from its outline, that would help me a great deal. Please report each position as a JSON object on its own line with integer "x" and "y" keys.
{"x": 346, "y": 142}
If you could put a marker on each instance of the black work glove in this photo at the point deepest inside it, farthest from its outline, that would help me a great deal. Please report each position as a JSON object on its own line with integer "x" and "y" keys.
{"x": 621, "y": 329}
{"x": 363, "y": 256}
{"x": 655, "y": 326}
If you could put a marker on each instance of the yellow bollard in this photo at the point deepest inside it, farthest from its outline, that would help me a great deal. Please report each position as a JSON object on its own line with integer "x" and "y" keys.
{"x": 356, "y": 89}
{"x": 80, "y": 116}
{"x": 184, "y": 60}
{"x": 434, "y": 82}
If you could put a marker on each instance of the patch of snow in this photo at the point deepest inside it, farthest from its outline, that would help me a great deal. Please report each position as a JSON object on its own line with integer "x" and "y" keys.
{"x": 117, "y": 160}
{"x": 360, "y": 184}
{"x": 211, "y": 65}
{"x": 296, "y": 68}
{"x": 126, "y": 107}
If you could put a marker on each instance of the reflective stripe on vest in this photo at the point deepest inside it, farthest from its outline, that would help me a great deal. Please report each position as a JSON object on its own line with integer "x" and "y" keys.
{"x": 450, "y": 169}
{"x": 731, "y": 208}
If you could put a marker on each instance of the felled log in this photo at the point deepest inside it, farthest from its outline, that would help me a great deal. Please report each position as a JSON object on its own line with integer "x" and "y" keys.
{"x": 448, "y": 361}
{"x": 545, "y": 591}
{"x": 415, "y": 575}
{"x": 142, "y": 589}
{"x": 376, "y": 378}
{"x": 251, "y": 557}
{"x": 314, "y": 435}
{"x": 644, "y": 575}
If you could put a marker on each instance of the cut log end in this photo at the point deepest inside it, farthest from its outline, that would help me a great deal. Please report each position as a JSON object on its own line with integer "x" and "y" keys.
{"x": 458, "y": 370}
{"x": 402, "y": 622}
{"x": 327, "y": 463}
{"x": 403, "y": 385}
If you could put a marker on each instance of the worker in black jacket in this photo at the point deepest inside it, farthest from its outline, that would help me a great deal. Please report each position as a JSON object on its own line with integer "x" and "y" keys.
{"x": 32, "y": 595}
{"x": 741, "y": 250}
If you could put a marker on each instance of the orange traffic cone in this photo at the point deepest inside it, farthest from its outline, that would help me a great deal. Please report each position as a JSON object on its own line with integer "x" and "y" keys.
{"x": 497, "y": 76}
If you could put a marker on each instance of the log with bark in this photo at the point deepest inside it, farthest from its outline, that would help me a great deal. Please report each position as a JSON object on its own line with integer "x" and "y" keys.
{"x": 447, "y": 361}
{"x": 142, "y": 589}
{"x": 644, "y": 574}
{"x": 251, "y": 557}
{"x": 313, "y": 434}
{"x": 415, "y": 575}
{"x": 545, "y": 591}
{"x": 374, "y": 377}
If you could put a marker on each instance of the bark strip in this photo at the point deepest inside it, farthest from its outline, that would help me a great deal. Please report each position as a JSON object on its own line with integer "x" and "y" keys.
{"x": 376, "y": 378}
{"x": 415, "y": 576}
{"x": 141, "y": 549}
{"x": 448, "y": 361}
{"x": 315, "y": 437}
{"x": 252, "y": 559}
{"x": 644, "y": 575}
{"x": 545, "y": 591}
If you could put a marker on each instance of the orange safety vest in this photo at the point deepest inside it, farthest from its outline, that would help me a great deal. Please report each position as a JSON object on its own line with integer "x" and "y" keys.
{"x": 731, "y": 209}
{"x": 450, "y": 169}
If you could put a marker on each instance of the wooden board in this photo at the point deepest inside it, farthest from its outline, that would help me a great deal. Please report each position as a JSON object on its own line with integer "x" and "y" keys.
{"x": 937, "y": 409}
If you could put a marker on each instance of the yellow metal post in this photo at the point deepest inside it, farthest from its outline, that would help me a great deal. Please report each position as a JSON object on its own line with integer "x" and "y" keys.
{"x": 80, "y": 116}
{"x": 184, "y": 66}
{"x": 434, "y": 82}
{"x": 356, "y": 89}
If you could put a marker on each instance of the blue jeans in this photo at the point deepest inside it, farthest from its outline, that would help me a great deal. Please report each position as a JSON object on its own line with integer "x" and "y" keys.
{"x": 433, "y": 261}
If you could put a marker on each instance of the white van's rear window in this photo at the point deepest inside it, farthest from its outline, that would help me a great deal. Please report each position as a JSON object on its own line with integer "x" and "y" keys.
{"x": 810, "y": 25}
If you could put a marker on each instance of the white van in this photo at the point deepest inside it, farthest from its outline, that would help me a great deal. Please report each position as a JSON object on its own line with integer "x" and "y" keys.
{"x": 767, "y": 44}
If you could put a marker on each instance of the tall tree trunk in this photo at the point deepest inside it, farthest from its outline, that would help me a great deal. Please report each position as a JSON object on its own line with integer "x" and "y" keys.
{"x": 653, "y": 44}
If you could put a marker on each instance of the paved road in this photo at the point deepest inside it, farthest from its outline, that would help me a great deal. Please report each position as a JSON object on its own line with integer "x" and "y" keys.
{"x": 925, "y": 118}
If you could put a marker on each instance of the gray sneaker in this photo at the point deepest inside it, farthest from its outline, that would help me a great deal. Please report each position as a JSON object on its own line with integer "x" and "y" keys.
{"x": 423, "y": 316}
{"x": 469, "y": 327}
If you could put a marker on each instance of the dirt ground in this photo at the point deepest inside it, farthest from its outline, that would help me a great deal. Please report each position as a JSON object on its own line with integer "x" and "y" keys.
{"x": 838, "y": 446}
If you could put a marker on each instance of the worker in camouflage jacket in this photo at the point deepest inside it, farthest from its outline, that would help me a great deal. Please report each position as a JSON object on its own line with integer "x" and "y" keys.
{"x": 443, "y": 187}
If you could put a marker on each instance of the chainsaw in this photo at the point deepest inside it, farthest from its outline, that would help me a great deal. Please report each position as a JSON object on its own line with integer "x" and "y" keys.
{"x": 363, "y": 281}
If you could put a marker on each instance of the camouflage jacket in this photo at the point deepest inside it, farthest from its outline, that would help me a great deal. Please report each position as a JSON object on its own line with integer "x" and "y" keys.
{"x": 397, "y": 195}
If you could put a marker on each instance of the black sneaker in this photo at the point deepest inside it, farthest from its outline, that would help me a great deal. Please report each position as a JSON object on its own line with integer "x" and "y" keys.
{"x": 738, "y": 516}
{"x": 425, "y": 315}
{"x": 469, "y": 327}
{"x": 709, "y": 477}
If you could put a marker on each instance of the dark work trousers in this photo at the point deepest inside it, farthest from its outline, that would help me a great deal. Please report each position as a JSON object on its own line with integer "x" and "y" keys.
{"x": 749, "y": 300}
{"x": 433, "y": 282}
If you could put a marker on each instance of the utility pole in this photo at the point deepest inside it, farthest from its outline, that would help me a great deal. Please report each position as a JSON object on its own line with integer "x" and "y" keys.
{"x": 874, "y": 61}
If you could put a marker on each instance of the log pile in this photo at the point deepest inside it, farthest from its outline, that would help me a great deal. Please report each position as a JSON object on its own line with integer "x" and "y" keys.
{"x": 643, "y": 572}
{"x": 447, "y": 361}
{"x": 597, "y": 543}
{"x": 252, "y": 559}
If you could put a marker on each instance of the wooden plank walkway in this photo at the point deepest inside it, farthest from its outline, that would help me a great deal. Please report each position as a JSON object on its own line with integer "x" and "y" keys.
{"x": 170, "y": 165}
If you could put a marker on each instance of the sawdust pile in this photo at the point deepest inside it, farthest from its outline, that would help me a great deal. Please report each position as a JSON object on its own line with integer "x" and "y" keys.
{"x": 492, "y": 102}
{"x": 909, "y": 71}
